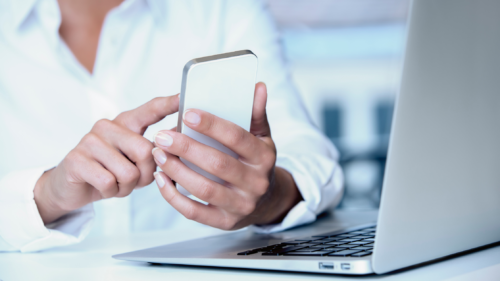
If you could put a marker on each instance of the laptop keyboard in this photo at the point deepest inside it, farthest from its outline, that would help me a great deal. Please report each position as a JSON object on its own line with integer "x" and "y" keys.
{"x": 356, "y": 243}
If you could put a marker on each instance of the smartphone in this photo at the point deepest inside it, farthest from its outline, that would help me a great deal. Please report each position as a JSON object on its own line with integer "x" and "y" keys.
{"x": 222, "y": 85}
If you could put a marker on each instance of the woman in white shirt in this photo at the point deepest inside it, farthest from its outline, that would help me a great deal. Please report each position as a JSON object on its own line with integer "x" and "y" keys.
{"x": 82, "y": 93}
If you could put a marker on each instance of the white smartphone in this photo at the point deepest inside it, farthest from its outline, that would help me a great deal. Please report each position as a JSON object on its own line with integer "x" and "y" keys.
{"x": 222, "y": 85}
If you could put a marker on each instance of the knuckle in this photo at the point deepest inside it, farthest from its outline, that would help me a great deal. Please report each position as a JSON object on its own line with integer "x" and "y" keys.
{"x": 121, "y": 116}
{"x": 123, "y": 119}
{"x": 143, "y": 150}
{"x": 248, "y": 208}
{"x": 261, "y": 186}
{"x": 130, "y": 174}
{"x": 219, "y": 164}
{"x": 191, "y": 213}
{"x": 269, "y": 157}
{"x": 228, "y": 223}
{"x": 184, "y": 145}
{"x": 157, "y": 104}
{"x": 107, "y": 183}
{"x": 174, "y": 167}
{"x": 170, "y": 196}
{"x": 209, "y": 123}
{"x": 74, "y": 156}
{"x": 146, "y": 179}
{"x": 207, "y": 191}
{"x": 123, "y": 193}
{"x": 102, "y": 124}
{"x": 91, "y": 139}
{"x": 235, "y": 137}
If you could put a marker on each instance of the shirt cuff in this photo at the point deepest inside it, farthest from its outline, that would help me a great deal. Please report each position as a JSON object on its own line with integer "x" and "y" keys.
{"x": 21, "y": 226}
{"x": 319, "y": 190}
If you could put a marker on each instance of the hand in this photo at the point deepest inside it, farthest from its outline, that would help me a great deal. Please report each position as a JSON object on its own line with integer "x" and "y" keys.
{"x": 255, "y": 191}
{"x": 110, "y": 161}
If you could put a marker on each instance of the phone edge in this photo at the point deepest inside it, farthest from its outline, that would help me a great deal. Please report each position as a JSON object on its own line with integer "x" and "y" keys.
{"x": 190, "y": 64}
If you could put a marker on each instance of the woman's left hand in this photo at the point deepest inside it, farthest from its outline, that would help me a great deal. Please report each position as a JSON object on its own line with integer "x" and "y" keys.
{"x": 255, "y": 191}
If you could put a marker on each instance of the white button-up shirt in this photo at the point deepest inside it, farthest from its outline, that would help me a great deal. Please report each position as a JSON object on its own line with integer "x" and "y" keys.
{"x": 48, "y": 102}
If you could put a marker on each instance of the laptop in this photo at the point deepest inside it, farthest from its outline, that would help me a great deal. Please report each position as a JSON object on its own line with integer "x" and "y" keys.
{"x": 441, "y": 190}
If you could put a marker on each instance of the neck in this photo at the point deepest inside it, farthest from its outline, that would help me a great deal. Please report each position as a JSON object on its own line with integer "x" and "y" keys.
{"x": 87, "y": 10}
{"x": 81, "y": 24}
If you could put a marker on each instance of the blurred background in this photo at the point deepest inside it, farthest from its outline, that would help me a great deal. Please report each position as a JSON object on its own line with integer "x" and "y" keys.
{"x": 345, "y": 58}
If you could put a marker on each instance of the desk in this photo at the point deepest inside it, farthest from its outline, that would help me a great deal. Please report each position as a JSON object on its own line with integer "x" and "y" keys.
{"x": 91, "y": 260}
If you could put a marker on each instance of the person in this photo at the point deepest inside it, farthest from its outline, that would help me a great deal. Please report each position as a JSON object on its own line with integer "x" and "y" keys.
{"x": 87, "y": 107}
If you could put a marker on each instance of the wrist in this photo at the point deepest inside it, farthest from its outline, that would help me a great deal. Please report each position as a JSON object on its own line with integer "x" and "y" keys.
{"x": 48, "y": 210}
{"x": 284, "y": 197}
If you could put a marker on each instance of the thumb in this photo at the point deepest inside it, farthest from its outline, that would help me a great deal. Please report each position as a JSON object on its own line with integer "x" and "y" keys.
{"x": 260, "y": 125}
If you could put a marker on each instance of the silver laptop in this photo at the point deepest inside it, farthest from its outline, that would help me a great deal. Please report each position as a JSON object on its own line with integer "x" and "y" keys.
{"x": 441, "y": 191}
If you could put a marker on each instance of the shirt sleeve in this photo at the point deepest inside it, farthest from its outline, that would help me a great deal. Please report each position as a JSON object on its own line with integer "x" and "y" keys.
{"x": 22, "y": 228}
{"x": 303, "y": 150}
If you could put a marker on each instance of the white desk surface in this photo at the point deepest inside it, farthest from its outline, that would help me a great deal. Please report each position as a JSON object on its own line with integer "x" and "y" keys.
{"x": 91, "y": 260}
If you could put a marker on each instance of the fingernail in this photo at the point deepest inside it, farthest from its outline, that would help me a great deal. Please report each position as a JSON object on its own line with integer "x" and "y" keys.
{"x": 163, "y": 139}
{"x": 159, "y": 155}
{"x": 192, "y": 117}
{"x": 159, "y": 180}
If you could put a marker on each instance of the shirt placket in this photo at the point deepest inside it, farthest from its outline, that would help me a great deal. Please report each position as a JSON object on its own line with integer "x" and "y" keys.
{"x": 116, "y": 212}
{"x": 101, "y": 88}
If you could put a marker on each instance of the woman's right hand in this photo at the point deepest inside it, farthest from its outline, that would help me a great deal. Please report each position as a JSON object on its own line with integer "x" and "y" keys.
{"x": 110, "y": 161}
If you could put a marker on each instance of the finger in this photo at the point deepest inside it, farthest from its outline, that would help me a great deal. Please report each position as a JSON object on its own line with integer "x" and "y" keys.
{"x": 207, "y": 158}
{"x": 198, "y": 185}
{"x": 260, "y": 125}
{"x": 134, "y": 146}
{"x": 192, "y": 210}
{"x": 93, "y": 173}
{"x": 149, "y": 113}
{"x": 227, "y": 133}
{"x": 126, "y": 173}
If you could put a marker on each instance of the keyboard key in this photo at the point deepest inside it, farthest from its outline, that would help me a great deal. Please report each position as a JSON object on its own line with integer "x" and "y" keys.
{"x": 316, "y": 242}
{"x": 369, "y": 240}
{"x": 263, "y": 249}
{"x": 345, "y": 246}
{"x": 336, "y": 243}
{"x": 336, "y": 249}
{"x": 344, "y": 253}
{"x": 317, "y": 253}
{"x": 331, "y": 239}
{"x": 349, "y": 240}
{"x": 362, "y": 248}
{"x": 303, "y": 239}
{"x": 359, "y": 243}
{"x": 246, "y": 253}
{"x": 358, "y": 237}
{"x": 271, "y": 247}
{"x": 281, "y": 251}
{"x": 321, "y": 245}
{"x": 362, "y": 254}
{"x": 348, "y": 246}
{"x": 308, "y": 244}
{"x": 306, "y": 250}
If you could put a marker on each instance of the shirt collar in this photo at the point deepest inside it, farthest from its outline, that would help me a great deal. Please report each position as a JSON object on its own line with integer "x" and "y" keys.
{"x": 19, "y": 11}
{"x": 157, "y": 8}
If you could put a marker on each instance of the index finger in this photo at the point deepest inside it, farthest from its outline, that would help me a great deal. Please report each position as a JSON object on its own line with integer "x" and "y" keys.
{"x": 139, "y": 119}
{"x": 232, "y": 136}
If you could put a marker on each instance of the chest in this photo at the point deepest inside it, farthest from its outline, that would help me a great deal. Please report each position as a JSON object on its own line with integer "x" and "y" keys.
{"x": 48, "y": 101}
